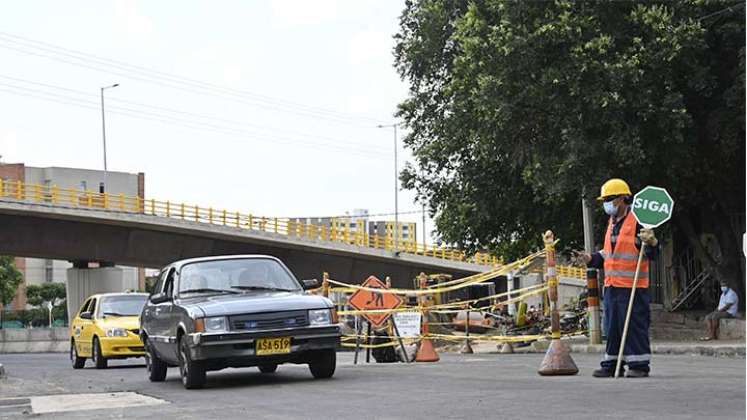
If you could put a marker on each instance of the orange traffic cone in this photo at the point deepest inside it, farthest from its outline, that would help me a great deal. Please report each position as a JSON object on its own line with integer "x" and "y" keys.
{"x": 426, "y": 352}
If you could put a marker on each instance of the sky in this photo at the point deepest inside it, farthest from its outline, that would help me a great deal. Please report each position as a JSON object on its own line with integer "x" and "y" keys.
{"x": 265, "y": 107}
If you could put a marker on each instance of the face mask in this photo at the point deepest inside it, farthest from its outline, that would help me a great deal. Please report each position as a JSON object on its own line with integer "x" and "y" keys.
{"x": 724, "y": 288}
{"x": 610, "y": 208}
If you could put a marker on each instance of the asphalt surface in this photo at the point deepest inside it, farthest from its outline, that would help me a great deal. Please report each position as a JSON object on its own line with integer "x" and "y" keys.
{"x": 459, "y": 386}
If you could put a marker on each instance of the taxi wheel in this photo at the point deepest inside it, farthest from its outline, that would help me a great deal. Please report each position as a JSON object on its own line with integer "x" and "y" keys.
{"x": 323, "y": 363}
{"x": 156, "y": 367}
{"x": 78, "y": 362}
{"x": 192, "y": 372}
{"x": 268, "y": 368}
{"x": 98, "y": 358}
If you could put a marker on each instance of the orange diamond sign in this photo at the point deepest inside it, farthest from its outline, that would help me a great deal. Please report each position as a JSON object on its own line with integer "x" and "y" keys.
{"x": 367, "y": 300}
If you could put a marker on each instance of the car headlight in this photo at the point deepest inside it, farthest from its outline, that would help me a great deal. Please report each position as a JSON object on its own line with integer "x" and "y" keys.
{"x": 116, "y": 332}
{"x": 215, "y": 324}
{"x": 320, "y": 317}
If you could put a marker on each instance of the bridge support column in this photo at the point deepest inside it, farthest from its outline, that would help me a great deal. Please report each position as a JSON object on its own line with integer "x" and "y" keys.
{"x": 84, "y": 282}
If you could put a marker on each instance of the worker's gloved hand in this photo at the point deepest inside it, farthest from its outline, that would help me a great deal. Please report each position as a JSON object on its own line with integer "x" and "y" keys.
{"x": 647, "y": 237}
{"x": 581, "y": 259}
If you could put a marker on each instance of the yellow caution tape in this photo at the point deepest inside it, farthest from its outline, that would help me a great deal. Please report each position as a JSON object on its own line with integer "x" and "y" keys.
{"x": 468, "y": 281}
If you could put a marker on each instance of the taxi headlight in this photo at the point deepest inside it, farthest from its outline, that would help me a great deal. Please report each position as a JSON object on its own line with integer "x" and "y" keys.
{"x": 215, "y": 324}
{"x": 320, "y": 317}
{"x": 116, "y": 332}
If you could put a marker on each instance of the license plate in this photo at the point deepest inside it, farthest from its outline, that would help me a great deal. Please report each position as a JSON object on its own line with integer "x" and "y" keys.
{"x": 266, "y": 346}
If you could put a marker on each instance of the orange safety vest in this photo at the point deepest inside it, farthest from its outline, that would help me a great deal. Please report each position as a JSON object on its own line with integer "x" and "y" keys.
{"x": 620, "y": 263}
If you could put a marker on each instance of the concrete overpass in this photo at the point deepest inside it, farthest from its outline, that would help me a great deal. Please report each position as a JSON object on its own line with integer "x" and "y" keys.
{"x": 45, "y": 230}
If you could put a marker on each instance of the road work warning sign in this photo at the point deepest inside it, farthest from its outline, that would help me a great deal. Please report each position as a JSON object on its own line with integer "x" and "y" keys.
{"x": 367, "y": 300}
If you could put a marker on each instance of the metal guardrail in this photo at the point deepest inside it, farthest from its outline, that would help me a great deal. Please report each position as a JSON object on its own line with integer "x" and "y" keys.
{"x": 73, "y": 198}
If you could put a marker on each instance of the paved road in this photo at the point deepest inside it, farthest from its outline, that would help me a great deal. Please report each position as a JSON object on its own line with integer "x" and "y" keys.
{"x": 474, "y": 386}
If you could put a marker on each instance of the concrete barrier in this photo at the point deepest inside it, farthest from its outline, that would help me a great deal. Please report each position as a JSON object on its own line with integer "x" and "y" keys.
{"x": 731, "y": 329}
{"x": 35, "y": 340}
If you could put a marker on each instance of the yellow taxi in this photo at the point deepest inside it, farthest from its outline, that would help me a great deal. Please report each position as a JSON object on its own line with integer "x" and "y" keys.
{"x": 107, "y": 326}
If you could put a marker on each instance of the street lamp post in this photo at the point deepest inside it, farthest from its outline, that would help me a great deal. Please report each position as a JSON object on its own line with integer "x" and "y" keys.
{"x": 103, "y": 132}
{"x": 396, "y": 188}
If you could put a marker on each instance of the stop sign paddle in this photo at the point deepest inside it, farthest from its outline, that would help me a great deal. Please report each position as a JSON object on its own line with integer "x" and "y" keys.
{"x": 652, "y": 207}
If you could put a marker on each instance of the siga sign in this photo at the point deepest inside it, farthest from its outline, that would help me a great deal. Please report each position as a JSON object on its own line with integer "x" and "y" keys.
{"x": 367, "y": 300}
{"x": 652, "y": 207}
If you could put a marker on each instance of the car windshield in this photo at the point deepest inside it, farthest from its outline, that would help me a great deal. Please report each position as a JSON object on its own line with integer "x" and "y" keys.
{"x": 122, "y": 305}
{"x": 242, "y": 275}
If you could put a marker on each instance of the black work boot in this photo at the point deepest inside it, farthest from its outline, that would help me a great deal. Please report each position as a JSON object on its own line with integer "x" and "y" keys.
{"x": 606, "y": 373}
{"x": 634, "y": 373}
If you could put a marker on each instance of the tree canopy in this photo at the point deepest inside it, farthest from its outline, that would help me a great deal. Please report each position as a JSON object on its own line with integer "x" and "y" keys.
{"x": 10, "y": 278}
{"x": 518, "y": 108}
{"x": 39, "y": 294}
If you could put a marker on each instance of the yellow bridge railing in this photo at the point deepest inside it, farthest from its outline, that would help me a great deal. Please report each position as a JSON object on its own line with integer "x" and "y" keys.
{"x": 73, "y": 198}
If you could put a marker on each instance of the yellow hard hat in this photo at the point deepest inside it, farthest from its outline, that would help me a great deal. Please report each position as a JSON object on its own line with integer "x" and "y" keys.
{"x": 614, "y": 187}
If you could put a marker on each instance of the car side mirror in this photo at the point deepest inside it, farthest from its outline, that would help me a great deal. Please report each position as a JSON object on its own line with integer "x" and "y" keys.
{"x": 160, "y": 298}
{"x": 310, "y": 284}
{"x": 86, "y": 315}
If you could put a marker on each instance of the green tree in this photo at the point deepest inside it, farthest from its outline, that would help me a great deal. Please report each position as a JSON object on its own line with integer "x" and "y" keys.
{"x": 39, "y": 295}
{"x": 516, "y": 108}
{"x": 10, "y": 279}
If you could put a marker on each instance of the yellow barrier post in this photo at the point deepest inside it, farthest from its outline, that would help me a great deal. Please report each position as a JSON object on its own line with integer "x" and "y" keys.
{"x": 558, "y": 359}
{"x": 55, "y": 194}
{"x": 121, "y": 201}
{"x": 168, "y": 209}
{"x": 210, "y": 215}
{"x": 592, "y": 304}
{"x": 182, "y": 210}
{"x": 238, "y": 219}
{"x": 19, "y": 190}
{"x": 325, "y": 284}
{"x": 197, "y": 213}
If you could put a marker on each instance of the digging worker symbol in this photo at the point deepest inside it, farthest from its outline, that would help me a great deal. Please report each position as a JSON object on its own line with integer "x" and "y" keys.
{"x": 619, "y": 257}
{"x": 377, "y": 299}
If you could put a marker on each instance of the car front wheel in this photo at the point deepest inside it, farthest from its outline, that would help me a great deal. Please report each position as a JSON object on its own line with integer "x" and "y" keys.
{"x": 98, "y": 358}
{"x": 192, "y": 372}
{"x": 78, "y": 362}
{"x": 323, "y": 363}
{"x": 156, "y": 367}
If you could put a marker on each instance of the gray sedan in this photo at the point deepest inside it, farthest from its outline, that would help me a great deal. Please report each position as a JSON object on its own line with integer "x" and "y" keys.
{"x": 236, "y": 311}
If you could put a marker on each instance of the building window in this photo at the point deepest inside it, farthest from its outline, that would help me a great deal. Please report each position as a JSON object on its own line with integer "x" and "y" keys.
{"x": 83, "y": 186}
{"x": 49, "y": 271}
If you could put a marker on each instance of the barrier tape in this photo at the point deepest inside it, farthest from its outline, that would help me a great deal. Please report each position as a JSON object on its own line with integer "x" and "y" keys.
{"x": 521, "y": 262}
{"x": 467, "y": 281}
{"x": 435, "y": 309}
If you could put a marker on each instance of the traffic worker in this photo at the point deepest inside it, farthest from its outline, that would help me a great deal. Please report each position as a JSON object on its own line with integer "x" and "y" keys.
{"x": 619, "y": 257}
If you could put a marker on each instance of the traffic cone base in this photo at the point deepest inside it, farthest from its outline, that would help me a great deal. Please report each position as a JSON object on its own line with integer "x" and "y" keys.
{"x": 507, "y": 348}
{"x": 466, "y": 348}
{"x": 558, "y": 360}
{"x": 426, "y": 352}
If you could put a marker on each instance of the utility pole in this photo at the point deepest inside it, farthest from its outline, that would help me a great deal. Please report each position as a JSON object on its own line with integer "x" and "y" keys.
{"x": 396, "y": 188}
{"x": 103, "y": 133}
{"x": 423, "y": 225}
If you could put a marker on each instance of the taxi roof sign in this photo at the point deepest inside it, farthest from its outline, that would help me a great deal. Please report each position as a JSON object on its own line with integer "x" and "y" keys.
{"x": 366, "y": 300}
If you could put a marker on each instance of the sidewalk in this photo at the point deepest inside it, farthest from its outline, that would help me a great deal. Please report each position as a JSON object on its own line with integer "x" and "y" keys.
{"x": 718, "y": 348}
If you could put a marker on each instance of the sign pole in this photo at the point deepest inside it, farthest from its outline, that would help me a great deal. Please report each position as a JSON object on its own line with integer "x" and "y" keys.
{"x": 368, "y": 342}
{"x": 630, "y": 310}
{"x": 357, "y": 339}
{"x": 399, "y": 338}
